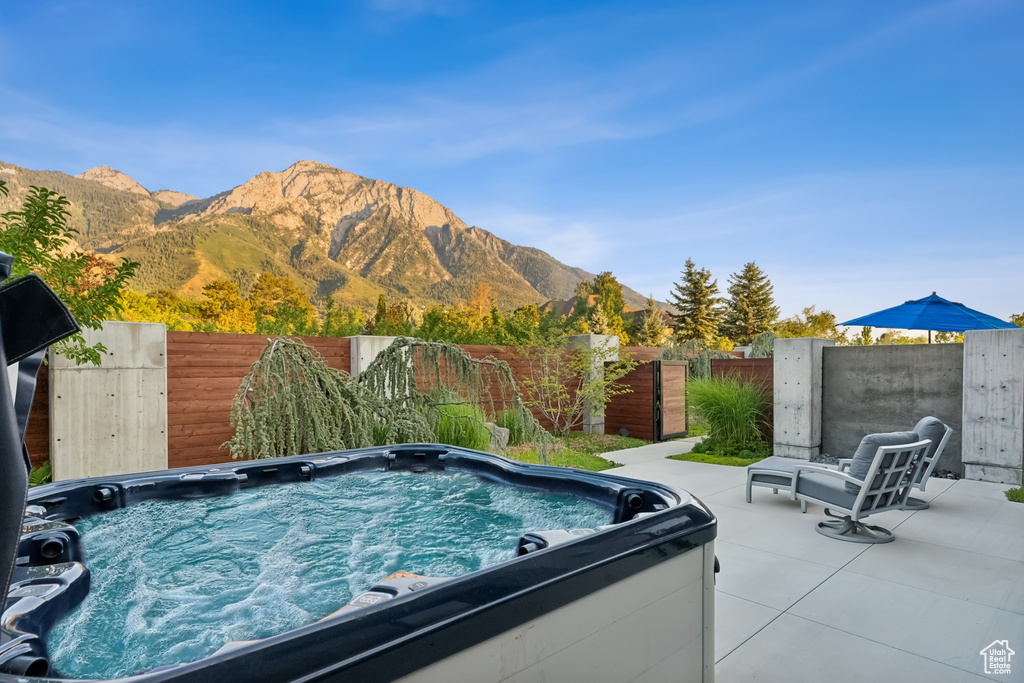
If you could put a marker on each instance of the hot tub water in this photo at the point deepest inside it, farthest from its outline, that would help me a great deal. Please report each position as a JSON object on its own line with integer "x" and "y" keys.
{"x": 174, "y": 580}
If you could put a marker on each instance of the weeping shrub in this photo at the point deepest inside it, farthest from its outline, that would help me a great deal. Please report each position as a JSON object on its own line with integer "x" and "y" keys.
{"x": 292, "y": 402}
{"x": 735, "y": 411}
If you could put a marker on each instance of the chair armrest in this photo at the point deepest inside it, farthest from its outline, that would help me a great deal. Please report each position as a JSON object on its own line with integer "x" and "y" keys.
{"x": 845, "y": 463}
{"x": 821, "y": 470}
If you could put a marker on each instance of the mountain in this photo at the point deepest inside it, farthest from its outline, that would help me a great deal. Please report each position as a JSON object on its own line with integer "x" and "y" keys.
{"x": 330, "y": 230}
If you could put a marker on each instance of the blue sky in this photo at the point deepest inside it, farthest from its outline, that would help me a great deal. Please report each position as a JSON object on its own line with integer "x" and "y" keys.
{"x": 861, "y": 153}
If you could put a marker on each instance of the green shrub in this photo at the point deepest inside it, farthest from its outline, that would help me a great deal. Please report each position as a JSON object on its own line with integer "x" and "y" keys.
{"x": 1016, "y": 495}
{"x": 41, "y": 475}
{"x": 763, "y": 345}
{"x": 519, "y": 430}
{"x": 734, "y": 411}
{"x": 460, "y": 424}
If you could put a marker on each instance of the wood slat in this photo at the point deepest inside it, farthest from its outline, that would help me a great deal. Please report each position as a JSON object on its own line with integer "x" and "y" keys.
{"x": 199, "y": 429}
{"x": 37, "y": 434}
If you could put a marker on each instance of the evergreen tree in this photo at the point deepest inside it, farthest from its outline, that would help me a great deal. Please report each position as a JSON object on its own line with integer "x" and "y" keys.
{"x": 751, "y": 308}
{"x": 653, "y": 330}
{"x": 581, "y": 302}
{"x": 382, "y": 311}
{"x": 699, "y": 305}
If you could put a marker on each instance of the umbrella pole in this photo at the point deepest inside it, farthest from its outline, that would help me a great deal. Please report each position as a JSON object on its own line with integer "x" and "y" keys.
{"x": 929, "y": 336}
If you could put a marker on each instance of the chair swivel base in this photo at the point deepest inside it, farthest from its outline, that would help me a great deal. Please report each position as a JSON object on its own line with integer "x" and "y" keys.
{"x": 845, "y": 529}
{"x": 917, "y": 504}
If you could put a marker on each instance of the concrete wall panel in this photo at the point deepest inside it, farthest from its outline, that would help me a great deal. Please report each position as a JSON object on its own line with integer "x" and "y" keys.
{"x": 797, "y": 396}
{"x": 112, "y": 418}
{"x": 993, "y": 408}
{"x": 869, "y": 389}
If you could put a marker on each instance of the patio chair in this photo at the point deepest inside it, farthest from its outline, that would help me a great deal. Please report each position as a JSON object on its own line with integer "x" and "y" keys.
{"x": 878, "y": 479}
{"x": 938, "y": 433}
{"x": 777, "y": 473}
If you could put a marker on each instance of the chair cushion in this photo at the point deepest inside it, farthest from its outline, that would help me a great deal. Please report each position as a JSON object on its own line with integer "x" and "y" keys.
{"x": 826, "y": 488}
{"x": 776, "y": 464}
{"x": 774, "y": 470}
{"x": 867, "y": 449}
{"x": 929, "y": 428}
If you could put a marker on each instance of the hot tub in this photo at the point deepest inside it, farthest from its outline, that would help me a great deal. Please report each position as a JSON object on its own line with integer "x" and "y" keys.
{"x": 629, "y": 600}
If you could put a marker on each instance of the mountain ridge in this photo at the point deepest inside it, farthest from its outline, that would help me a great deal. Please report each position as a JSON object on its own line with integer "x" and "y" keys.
{"x": 328, "y": 228}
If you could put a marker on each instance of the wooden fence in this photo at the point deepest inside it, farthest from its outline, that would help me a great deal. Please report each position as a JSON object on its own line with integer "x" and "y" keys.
{"x": 37, "y": 433}
{"x": 632, "y": 414}
{"x": 205, "y": 369}
{"x": 759, "y": 370}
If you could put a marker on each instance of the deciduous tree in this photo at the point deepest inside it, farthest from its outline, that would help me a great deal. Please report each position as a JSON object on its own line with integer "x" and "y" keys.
{"x": 225, "y": 309}
{"x": 812, "y": 323}
{"x": 41, "y": 241}
{"x": 482, "y": 298}
{"x": 562, "y": 382}
{"x": 281, "y": 307}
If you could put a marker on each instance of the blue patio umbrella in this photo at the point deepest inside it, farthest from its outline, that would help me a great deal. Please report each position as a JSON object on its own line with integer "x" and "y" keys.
{"x": 931, "y": 313}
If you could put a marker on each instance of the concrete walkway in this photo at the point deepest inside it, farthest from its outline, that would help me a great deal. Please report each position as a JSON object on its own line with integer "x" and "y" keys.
{"x": 793, "y": 605}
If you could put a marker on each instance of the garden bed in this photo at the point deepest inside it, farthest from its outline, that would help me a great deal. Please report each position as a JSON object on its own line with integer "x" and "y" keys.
{"x": 578, "y": 450}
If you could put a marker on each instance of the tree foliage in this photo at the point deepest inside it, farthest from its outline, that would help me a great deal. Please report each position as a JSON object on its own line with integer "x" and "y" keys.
{"x": 280, "y": 307}
{"x": 700, "y": 307}
{"x": 897, "y": 337}
{"x": 610, "y": 303}
{"x": 696, "y": 353}
{"x": 223, "y": 304}
{"x": 751, "y": 307}
{"x": 652, "y": 330}
{"x": 465, "y": 325}
{"x": 481, "y": 300}
{"x": 275, "y": 305}
{"x": 391, "y": 320}
{"x": 340, "y": 321}
{"x": 864, "y": 338}
{"x": 763, "y": 345}
{"x": 598, "y": 308}
{"x": 812, "y": 323}
{"x": 43, "y": 242}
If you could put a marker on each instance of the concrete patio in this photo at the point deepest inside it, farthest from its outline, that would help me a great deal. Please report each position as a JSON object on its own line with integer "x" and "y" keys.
{"x": 793, "y": 605}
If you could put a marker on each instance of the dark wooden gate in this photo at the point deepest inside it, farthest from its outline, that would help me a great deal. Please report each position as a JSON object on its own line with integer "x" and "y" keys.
{"x": 670, "y": 399}
{"x": 655, "y": 409}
